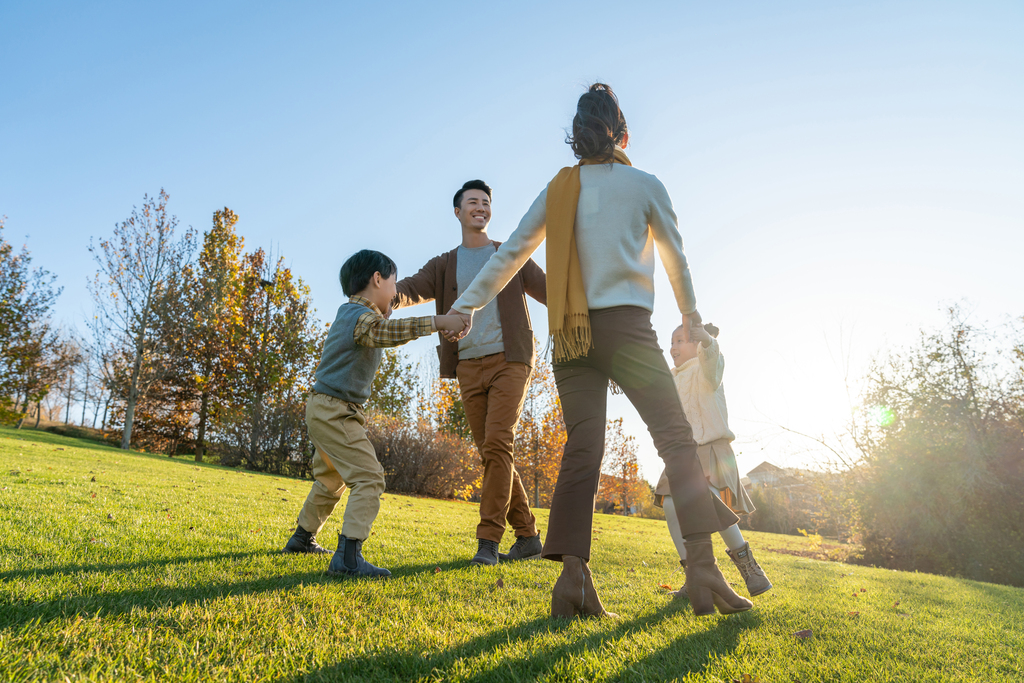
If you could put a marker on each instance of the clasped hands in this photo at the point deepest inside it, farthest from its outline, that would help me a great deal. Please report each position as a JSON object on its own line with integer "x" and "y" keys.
{"x": 454, "y": 325}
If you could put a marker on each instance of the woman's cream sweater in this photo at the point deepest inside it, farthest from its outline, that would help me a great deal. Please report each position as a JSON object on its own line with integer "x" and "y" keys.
{"x": 623, "y": 213}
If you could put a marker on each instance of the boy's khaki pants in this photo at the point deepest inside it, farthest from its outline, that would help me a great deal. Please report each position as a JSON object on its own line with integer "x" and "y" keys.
{"x": 344, "y": 456}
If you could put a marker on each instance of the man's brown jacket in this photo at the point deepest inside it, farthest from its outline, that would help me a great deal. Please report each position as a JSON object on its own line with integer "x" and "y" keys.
{"x": 437, "y": 281}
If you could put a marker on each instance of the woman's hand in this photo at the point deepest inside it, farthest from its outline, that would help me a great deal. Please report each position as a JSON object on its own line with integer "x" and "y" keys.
{"x": 689, "y": 321}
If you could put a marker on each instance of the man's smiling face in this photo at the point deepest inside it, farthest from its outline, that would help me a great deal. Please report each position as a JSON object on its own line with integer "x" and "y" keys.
{"x": 475, "y": 210}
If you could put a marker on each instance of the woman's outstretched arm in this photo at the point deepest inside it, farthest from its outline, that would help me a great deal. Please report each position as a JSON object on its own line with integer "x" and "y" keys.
{"x": 663, "y": 223}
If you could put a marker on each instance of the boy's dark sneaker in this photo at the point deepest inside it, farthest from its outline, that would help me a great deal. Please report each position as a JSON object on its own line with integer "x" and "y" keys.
{"x": 303, "y": 541}
{"x": 348, "y": 561}
{"x": 486, "y": 552}
{"x": 525, "y": 548}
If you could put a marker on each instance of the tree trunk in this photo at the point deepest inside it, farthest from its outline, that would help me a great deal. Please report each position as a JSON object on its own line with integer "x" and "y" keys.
{"x": 85, "y": 395}
{"x": 106, "y": 407}
{"x": 204, "y": 407}
{"x": 257, "y": 408}
{"x": 39, "y": 412}
{"x": 133, "y": 398}
{"x": 67, "y": 411}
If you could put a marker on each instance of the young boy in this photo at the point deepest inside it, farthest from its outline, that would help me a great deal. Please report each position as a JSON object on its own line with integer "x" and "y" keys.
{"x": 334, "y": 410}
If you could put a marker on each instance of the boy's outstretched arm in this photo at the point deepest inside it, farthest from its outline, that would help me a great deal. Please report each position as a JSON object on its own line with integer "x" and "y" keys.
{"x": 377, "y": 332}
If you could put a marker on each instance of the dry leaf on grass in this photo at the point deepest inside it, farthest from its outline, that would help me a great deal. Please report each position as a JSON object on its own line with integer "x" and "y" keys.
{"x": 806, "y": 633}
{"x": 747, "y": 678}
{"x": 437, "y": 570}
{"x": 853, "y": 614}
{"x": 499, "y": 583}
{"x": 665, "y": 586}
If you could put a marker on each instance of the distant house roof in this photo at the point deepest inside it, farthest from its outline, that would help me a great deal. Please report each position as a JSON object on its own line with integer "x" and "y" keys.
{"x": 767, "y": 468}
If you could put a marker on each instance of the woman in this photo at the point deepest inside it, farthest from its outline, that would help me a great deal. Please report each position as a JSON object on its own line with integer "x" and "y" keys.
{"x": 599, "y": 218}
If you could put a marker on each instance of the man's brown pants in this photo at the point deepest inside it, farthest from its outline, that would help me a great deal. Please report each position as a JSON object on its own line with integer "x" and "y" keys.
{"x": 625, "y": 349}
{"x": 493, "y": 391}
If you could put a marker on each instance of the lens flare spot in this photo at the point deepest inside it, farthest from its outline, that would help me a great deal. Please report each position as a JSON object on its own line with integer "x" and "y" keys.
{"x": 883, "y": 415}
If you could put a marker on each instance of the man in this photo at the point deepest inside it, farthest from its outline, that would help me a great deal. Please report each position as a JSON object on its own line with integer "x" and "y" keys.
{"x": 493, "y": 364}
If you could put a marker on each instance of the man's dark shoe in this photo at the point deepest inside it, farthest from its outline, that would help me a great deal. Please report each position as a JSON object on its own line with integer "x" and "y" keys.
{"x": 525, "y": 548}
{"x": 303, "y": 541}
{"x": 486, "y": 552}
{"x": 348, "y": 561}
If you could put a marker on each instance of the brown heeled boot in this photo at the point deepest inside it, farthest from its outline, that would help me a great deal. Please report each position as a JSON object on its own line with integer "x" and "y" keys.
{"x": 574, "y": 593}
{"x": 681, "y": 593}
{"x": 705, "y": 584}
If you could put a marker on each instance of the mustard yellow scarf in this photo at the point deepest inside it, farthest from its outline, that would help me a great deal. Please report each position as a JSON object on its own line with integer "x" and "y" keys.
{"x": 568, "y": 317}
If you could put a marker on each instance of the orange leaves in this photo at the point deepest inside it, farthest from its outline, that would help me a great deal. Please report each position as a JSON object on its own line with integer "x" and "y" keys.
{"x": 665, "y": 586}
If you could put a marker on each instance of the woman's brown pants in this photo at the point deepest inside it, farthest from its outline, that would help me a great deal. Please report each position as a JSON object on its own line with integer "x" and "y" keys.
{"x": 625, "y": 349}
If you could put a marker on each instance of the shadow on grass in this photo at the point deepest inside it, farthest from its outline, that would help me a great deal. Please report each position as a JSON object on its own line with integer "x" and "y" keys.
{"x": 127, "y": 566}
{"x": 18, "y": 613}
{"x": 687, "y": 654}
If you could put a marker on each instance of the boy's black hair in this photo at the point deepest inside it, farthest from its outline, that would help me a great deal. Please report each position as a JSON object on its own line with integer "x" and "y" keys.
{"x": 470, "y": 185}
{"x": 358, "y": 270}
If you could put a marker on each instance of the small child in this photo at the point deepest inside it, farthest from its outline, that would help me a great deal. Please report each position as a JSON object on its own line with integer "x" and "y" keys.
{"x": 698, "y": 374}
{"x": 334, "y": 410}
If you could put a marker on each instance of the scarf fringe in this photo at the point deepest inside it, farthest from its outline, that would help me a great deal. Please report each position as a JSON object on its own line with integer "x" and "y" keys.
{"x": 574, "y": 339}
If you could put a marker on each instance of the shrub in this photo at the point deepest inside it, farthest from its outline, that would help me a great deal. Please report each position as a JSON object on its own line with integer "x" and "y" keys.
{"x": 944, "y": 458}
{"x": 418, "y": 459}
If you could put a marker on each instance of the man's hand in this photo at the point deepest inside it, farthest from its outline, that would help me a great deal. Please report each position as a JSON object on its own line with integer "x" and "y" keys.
{"x": 449, "y": 325}
{"x": 467, "y": 320}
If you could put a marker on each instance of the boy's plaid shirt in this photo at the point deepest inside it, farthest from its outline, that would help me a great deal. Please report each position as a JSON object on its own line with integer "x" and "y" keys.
{"x": 375, "y": 331}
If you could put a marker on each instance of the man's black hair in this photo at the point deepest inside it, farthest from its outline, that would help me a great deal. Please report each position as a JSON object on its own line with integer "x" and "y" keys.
{"x": 358, "y": 270}
{"x": 470, "y": 185}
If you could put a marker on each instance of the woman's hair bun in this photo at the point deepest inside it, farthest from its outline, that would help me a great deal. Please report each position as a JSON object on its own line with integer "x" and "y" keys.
{"x": 598, "y": 125}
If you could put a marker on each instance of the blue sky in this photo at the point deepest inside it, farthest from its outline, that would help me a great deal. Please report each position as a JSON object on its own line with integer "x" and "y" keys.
{"x": 840, "y": 173}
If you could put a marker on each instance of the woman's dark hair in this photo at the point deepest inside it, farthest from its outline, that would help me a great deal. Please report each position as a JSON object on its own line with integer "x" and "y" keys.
{"x": 358, "y": 270}
{"x": 470, "y": 185}
{"x": 598, "y": 125}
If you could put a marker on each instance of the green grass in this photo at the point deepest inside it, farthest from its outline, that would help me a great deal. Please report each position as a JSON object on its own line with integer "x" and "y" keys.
{"x": 164, "y": 569}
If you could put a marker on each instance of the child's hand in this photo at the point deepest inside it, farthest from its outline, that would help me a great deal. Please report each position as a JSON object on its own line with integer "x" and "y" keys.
{"x": 699, "y": 334}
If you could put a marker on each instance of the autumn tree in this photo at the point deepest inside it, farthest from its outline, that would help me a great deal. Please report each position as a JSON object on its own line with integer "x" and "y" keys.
{"x": 444, "y": 405}
{"x": 215, "y": 302}
{"x": 137, "y": 269}
{"x": 623, "y": 481}
{"x": 27, "y": 337}
{"x": 277, "y": 344}
{"x": 540, "y": 436}
{"x": 393, "y": 391}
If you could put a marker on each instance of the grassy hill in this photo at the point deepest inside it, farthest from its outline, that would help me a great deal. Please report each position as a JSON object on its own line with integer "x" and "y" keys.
{"x": 128, "y": 566}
